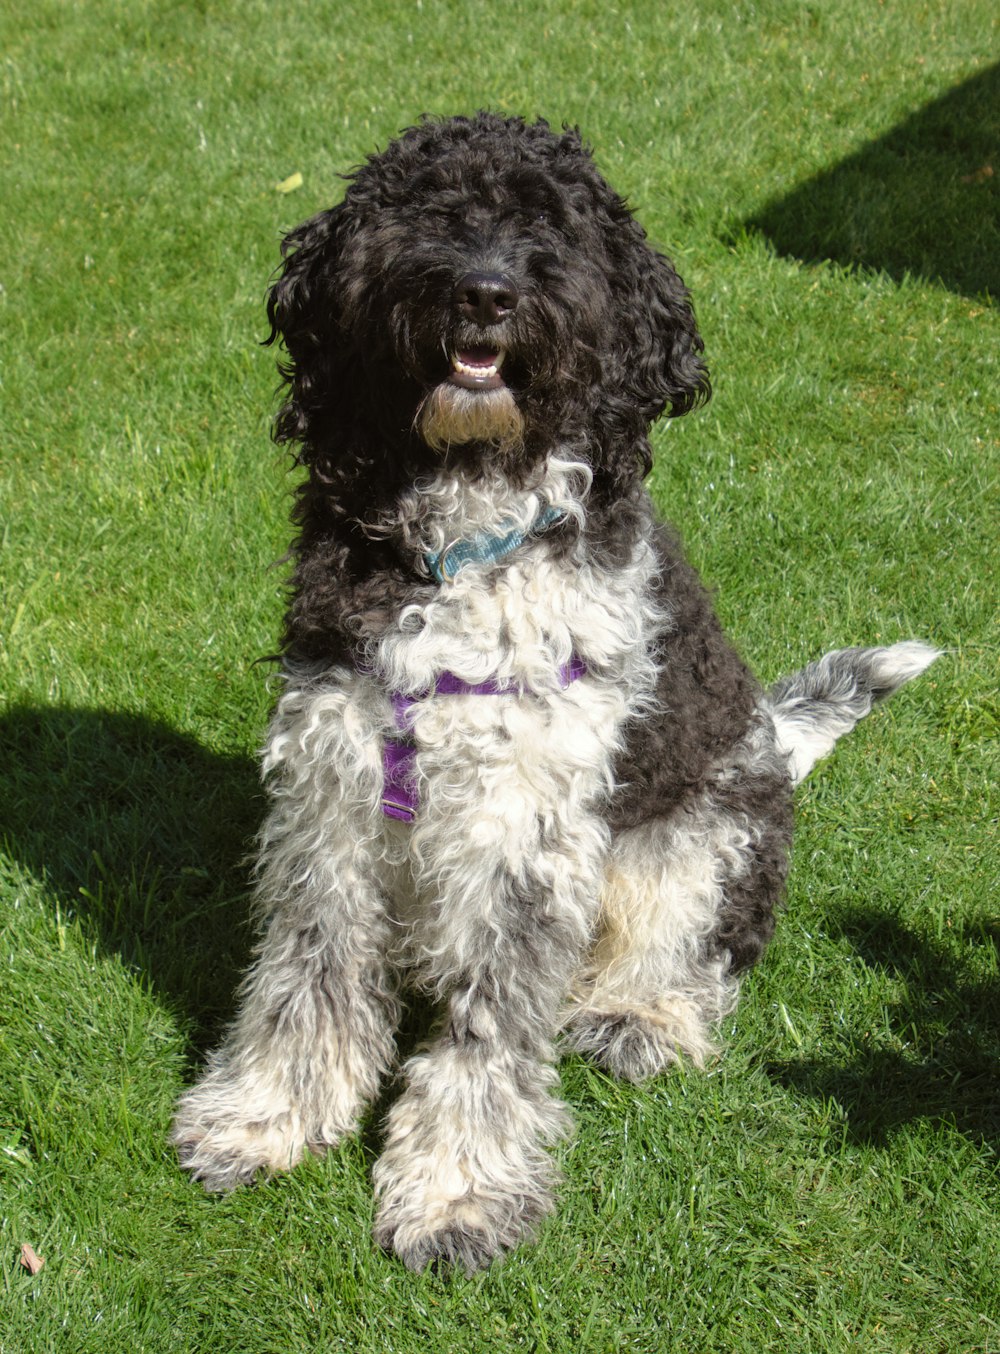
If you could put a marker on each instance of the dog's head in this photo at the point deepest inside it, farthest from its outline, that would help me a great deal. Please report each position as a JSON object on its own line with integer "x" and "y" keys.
{"x": 480, "y": 291}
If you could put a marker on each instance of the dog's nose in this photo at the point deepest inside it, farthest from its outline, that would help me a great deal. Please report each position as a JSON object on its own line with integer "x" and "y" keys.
{"x": 486, "y": 298}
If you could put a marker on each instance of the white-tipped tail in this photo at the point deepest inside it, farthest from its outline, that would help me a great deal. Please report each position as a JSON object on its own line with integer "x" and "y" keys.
{"x": 816, "y": 706}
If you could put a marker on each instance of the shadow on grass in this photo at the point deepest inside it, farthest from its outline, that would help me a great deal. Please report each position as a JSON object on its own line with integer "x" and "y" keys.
{"x": 142, "y": 833}
{"x": 923, "y": 200}
{"x": 948, "y": 1021}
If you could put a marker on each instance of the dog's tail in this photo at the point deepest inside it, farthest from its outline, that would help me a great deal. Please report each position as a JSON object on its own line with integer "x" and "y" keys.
{"x": 817, "y": 705}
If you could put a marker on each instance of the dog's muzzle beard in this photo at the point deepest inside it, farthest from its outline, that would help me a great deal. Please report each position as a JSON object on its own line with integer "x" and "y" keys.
{"x": 455, "y": 415}
{"x": 474, "y": 403}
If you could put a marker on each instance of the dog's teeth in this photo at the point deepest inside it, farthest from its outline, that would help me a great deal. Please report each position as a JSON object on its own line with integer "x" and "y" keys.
{"x": 478, "y": 369}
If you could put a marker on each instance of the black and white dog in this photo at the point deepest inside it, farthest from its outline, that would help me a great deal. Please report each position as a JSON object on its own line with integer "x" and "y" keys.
{"x": 515, "y": 761}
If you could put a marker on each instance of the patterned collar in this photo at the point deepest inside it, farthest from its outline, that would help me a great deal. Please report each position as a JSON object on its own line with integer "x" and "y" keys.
{"x": 487, "y": 547}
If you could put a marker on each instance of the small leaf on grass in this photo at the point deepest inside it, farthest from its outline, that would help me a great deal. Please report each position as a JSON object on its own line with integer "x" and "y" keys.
{"x": 29, "y": 1260}
{"x": 981, "y": 175}
{"x": 290, "y": 184}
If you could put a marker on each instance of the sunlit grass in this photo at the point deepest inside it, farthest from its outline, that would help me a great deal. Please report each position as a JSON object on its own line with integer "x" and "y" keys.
{"x": 831, "y": 1183}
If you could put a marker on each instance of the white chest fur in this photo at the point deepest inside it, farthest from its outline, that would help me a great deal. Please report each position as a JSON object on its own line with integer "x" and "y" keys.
{"x": 495, "y": 775}
{"x": 518, "y": 622}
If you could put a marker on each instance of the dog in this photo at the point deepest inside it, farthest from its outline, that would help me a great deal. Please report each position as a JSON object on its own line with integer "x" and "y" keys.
{"x": 515, "y": 762}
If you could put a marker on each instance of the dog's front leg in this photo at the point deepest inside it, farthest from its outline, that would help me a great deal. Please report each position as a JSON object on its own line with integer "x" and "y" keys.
{"x": 466, "y": 1173}
{"x": 315, "y": 1028}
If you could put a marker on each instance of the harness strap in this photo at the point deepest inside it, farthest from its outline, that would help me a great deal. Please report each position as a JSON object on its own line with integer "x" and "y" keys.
{"x": 399, "y": 791}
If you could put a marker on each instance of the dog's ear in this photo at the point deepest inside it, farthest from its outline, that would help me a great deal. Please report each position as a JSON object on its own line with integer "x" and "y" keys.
{"x": 302, "y": 311}
{"x": 653, "y": 364}
{"x": 664, "y": 370}
{"x": 298, "y": 301}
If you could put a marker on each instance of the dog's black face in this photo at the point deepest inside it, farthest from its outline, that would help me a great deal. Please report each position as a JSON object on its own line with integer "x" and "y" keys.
{"x": 480, "y": 291}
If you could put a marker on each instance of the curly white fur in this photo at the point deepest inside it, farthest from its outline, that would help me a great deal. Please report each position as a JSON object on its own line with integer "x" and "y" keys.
{"x": 506, "y": 896}
{"x": 500, "y": 876}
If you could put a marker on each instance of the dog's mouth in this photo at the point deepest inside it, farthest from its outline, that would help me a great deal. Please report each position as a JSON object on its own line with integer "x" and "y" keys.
{"x": 477, "y": 368}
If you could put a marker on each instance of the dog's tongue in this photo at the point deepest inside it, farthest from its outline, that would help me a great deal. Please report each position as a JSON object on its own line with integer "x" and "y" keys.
{"x": 477, "y": 357}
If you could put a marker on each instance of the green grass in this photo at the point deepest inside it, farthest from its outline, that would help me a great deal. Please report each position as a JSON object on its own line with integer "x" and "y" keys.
{"x": 818, "y": 172}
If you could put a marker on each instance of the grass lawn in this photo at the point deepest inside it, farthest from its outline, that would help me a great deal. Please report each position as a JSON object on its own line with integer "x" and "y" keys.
{"x": 825, "y": 176}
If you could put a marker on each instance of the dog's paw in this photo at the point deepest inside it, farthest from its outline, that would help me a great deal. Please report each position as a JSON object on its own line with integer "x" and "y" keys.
{"x": 468, "y": 1232}
{"x": 636, "y": 1043}
{"x": 223, "y": 1146}
{"x": 466, "y": 1173}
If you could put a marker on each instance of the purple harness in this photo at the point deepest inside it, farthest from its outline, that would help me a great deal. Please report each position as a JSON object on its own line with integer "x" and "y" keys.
{"x": 399, "y": 791}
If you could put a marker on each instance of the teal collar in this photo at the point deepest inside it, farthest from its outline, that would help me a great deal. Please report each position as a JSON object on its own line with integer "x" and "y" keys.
{"x": 486, "y": 548}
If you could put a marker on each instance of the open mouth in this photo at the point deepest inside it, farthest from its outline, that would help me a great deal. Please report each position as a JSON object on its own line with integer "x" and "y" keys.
{"x": 477, "y": 368}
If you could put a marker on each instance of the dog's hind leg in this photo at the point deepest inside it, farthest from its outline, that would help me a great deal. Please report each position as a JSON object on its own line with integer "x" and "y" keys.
{"x": 314, "y": 1032}
{"x": 687, "y": 902}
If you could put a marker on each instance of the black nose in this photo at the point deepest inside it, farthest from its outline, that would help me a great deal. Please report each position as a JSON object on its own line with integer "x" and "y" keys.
{"x": 486, "y": 298}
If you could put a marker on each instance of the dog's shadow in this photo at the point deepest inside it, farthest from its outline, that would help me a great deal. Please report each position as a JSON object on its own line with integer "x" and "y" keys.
{"x": 921, "y": 200}
{"x": 141, "y": 833}
{"x": 939, "y": 1058}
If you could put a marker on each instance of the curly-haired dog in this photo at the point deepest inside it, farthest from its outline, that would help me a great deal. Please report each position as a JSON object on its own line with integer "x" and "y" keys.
{"x": 515, "y": 761}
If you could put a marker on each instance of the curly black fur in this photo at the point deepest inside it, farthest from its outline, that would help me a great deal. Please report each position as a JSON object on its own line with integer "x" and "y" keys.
{"x": 602, "y": 343}
{"x": 479, "y": 337}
